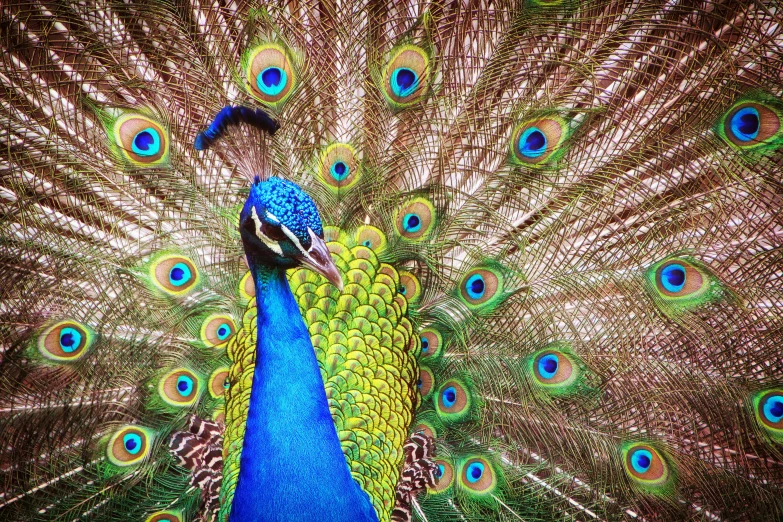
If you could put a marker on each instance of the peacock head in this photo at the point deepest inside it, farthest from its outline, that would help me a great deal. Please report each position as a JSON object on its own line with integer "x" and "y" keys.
{"x": 280, "y": 226}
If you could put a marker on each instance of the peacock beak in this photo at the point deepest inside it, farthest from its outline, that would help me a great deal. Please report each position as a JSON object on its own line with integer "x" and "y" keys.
{"x": 318, "y": 259}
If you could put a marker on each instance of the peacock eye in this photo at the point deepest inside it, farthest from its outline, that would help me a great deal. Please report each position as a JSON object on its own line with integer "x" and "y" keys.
{"x": 415, "y": 220}
{"x": 371, "y": 237}
{"x": 552, "y": 367}
{"x": 65, "y": 341}
{"x": 174, "y": 274}
{"x": 129, "y": 446}
{"x": 217, "y": 329}
{"x": 410, "y": 286}
{"x": 453, "y": 401}
{"x": 481, "y": 285}
{"x": 179, "y": 387}
{"x": 406, "y": 76}
{"x": 678, "y": 278}
{"x": 219, "y": 382}
{"x": 339, "y": 166}
{"x": 751, "y": 124}
{"x": 444, "y": 475}
{"x": 425, "y": 381}
{"x": 477, "y": 476}
{"x": 270, "y": 77}
{"x": 538, "y": 140}
{"x": 646, "y": 465}
{"x": 164, "y": 516}
{"x": 770, "y": 410}
{"x": 140, "y": 139}
{"x": 431, "y": 342}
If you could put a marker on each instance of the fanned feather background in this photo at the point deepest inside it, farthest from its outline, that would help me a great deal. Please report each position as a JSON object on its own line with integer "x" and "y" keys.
{"x": 581, "y": 203}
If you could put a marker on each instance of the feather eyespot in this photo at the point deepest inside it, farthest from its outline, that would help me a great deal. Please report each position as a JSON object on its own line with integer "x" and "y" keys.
{"x": 407, "y": 76}
{"x": 217, "y": 329}
{"x": 339, "y": 166}
{"x": 681, "y": 283}
{"x": 646, "y": 466}
{"x": 174, "y": 274}
{"x": 415, "y": 220}
{"x": 431, "y": 343}
{"x": 426, "y": 429}
{"x": 477, "y": 476}
{"x": 768, "y": 410}
{"x": 481, "y": 286}
{"x": 270, "y": 75}
{"x": 179, "y": 387}
{"x": 425, "y": 381}
{"x": 410, "y": 287}
{"x": 771, "y": 410}
{"x": 538, "y": 140}
{"x": 141, "y": 140}
{"x": 453, "y": 401}
{"x": 371, "y": 237}
{"x": 129, "y": 446}
{"x": 558, "y": 372}
{"x": 677, "y": 278}
{"x": 750, "y": 124}
{"x": 219, "y": 383}
{"x": 164, "y": 516}
{"x": 552, "y": 367}
{"x": 65, "y": 341}
{"x": 444, "y": 476}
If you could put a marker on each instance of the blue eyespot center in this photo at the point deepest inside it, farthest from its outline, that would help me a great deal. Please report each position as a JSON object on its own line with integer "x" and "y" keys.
{"x": 673, "y": 277}
{"x": 474, "y": 472}
{"x": 184, "y": 385}
{"x": 440, "y": 471}
{"x": 146, "y": 142}
{"x": 773, "y": 408}
{"x": 641, "y": 460}
{"x": 475, "y": 286}
{"x": 272, "y": 81}
{"x": 367, "y": 243}
{"x": 745, "y": 124}
{"x": 70, "y": 339}
{"x": 339, "y": 170}
{"x": 402, "y": 289}
{"x": 547, "y": 366}
{"x": 411, "y": 223}
{"x": 223, "y": 331}
{"x": 449, "y": 396}
{"x": 180, "y": 274}
{"x": 532, "y": 143}
{"x": 132, "y": 443}
{"x": 418, "y": 383}
{"x": 404, "y": 81}
{"x": 226, "y": 384}
{"x": 425, "y": 344}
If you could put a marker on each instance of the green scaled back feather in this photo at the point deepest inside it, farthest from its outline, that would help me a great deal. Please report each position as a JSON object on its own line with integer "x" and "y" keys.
{"x": 561, "y": 224}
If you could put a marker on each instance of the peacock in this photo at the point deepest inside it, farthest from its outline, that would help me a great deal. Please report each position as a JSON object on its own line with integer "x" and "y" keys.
{"x": 391, "y": 261}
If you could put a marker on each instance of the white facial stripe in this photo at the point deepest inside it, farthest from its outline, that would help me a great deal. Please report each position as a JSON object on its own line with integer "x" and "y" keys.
{"x": 293, "y": 239}
{"x": 273, "y": 245}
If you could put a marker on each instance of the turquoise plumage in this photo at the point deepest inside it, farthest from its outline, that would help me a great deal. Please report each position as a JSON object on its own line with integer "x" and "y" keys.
{"x": 391, "y": 261}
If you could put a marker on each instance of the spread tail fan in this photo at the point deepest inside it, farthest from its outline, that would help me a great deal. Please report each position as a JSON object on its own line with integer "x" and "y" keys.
{"x": 532, "y": 255}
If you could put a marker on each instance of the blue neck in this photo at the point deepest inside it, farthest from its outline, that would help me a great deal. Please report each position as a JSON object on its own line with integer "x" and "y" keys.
{"x": 292, "y": 465}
